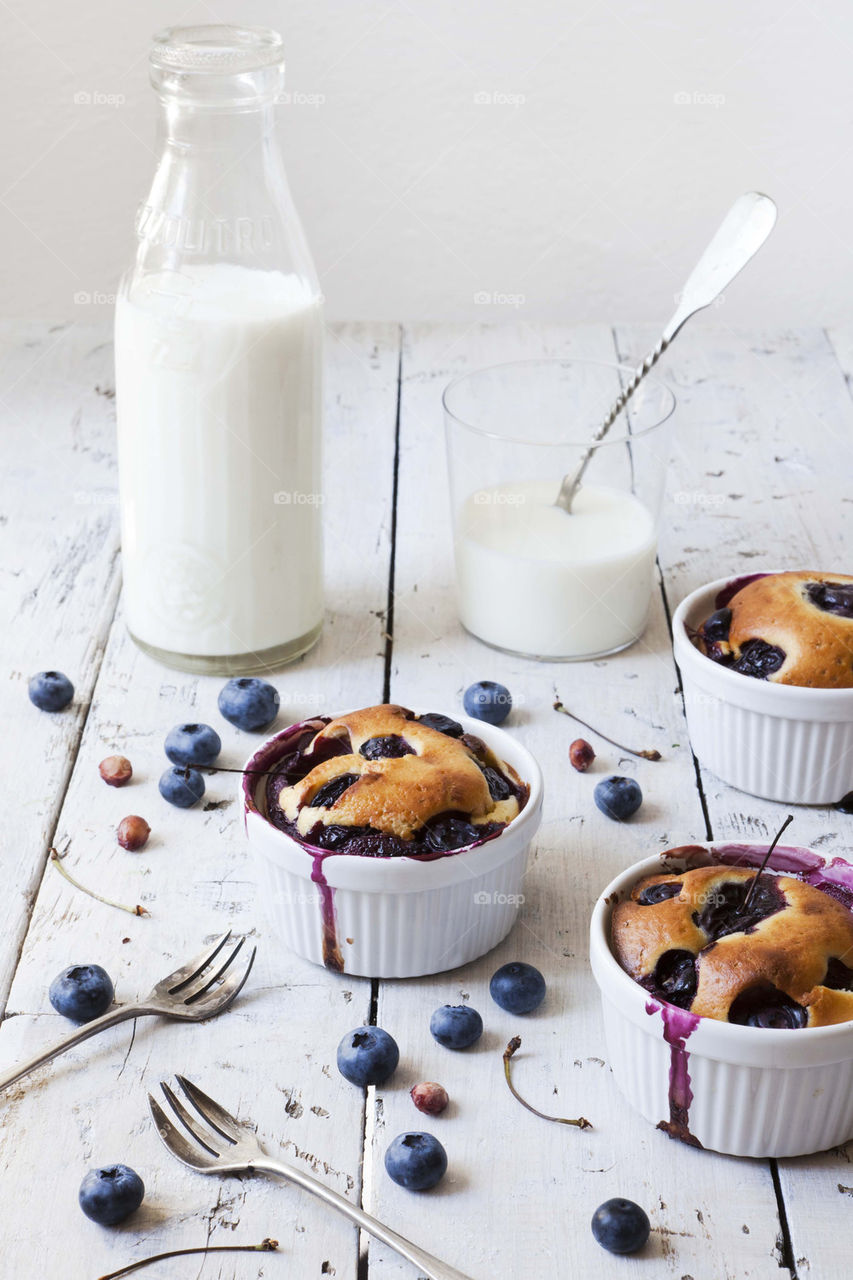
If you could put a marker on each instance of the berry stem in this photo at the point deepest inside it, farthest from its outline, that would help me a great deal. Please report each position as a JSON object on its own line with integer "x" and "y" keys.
{"x": 649, "y": 753}
{"x": 266, "y": 1246}
{"x": 56, "y": 859}
{"x": 514, "y": 1044}
{"x": 757, "y": 876}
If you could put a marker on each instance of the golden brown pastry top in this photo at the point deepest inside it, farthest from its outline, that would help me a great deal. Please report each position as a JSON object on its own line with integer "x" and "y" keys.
{"x": 399, "y": 794}
{"x": 784, "y": 611}
{"x": 802, "y": 949}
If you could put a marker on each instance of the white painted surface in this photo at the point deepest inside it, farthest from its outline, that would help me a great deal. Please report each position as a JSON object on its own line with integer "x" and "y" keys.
{"x": 764, "y": 425}
{"x": 476, "y": 161}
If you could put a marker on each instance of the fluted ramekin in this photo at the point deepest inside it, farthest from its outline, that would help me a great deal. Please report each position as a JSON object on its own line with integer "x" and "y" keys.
{"x": 393, "y": 917}
{"x": 778, "y": 741}
{"x": 745, "y": 1091}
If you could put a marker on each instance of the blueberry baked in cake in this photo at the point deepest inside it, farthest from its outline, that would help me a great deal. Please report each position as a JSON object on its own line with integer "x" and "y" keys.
{"x": 789, "y": 628}
{"x": 721, "y": 942}
{"x": 383, "y": 782}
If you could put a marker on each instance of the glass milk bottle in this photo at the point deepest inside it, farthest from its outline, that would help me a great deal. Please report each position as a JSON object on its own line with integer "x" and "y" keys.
{"x": 218, "y": 348}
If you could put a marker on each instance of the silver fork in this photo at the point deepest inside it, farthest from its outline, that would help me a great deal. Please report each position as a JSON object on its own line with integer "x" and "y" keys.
{"x": 224, "y": 1145}
{"x": 196, "y": 991}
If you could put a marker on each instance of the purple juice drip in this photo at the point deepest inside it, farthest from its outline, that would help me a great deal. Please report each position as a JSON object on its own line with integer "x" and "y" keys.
{"x": 678, "y": 1026}
{"x": 332, "y": 957}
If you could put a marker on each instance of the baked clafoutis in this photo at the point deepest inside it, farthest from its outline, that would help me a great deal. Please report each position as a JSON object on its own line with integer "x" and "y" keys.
{"x": 788, "y": 628}
{"x": 766, "y": 951}
{"x": 383, "y": 782}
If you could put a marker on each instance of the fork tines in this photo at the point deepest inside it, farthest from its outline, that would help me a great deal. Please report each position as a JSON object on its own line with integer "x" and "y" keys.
{"x": 218, "y": 1136}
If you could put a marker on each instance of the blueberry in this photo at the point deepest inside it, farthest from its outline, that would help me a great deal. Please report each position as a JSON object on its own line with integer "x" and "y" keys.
{"x": 718, "y": 626}
{"x": 389, "y": 747}
{"x": 249, "y": 703}
{"x": 181, "y": 787}
{"x": 620, "y": 1226}
{"x": 675, "y": 978}
{"x": 367, "y": 1055}
{"x": 456, "y": 1026}
{"x": 517, "y": 987}
{"x": 759, "y": 659}
{"x": 656, "y": 893}
{"x": 50, "y": 690}
{"x": 832, "y": 597}
{"x": 487, "y": 701}
{"x": 82, "y": 992}
{"x": 442, "y": 724}
{"x": 766, "y": 1006}
{"x": 111, "y": 1194}
{"x": 330, "y": 792}
{"x": 416, "y": 1161}
{"x": 193, "y": 744}
{"x": 618, "y": 797}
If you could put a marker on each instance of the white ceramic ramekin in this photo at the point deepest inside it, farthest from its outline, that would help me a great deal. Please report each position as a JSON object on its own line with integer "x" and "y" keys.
{"x": 778, "y": 741}
{"x": 745, "y": 1091}
{"x": 393, "y": 917}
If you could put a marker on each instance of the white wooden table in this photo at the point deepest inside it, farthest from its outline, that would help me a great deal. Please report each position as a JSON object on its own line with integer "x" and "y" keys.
{"x": 760, "y": 476}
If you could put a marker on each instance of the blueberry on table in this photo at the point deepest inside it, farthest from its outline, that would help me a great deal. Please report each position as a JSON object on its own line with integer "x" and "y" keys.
{"x": 456, "y": 1026}
{"x": 249, "y": 703}
{"x": 367, "y": 1055}
{"x": 487, "y": 701}
{"x": 193, "y": 744}
{"x": 111, "y": 1194}
{"x": 181, "y": 787}
{"x": 517, "y": 987}
{"x": 82, "y": 992}
{"x": 618, "y": 797}
{"x": 620, "y": 1226}
{"x": 416, "y": 1161}
{"x": 50, "y": 690}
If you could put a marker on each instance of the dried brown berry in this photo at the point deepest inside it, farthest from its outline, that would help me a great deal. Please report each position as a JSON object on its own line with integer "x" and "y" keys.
{"x": 116, "y": 771}
{"x": 581, "y": 755}
{"x": 133, "y": 833}
{"x": 430, "y": 1097}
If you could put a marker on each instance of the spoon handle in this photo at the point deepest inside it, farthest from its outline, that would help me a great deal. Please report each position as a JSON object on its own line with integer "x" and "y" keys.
{"x": 741, "y": 234}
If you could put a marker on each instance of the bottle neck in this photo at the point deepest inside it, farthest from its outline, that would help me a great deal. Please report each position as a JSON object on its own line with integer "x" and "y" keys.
{"x": 230, "y": 133}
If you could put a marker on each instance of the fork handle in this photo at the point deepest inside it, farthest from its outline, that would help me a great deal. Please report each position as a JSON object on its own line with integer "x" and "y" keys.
{"x": 431, "y": 1267}
{"x": 109, "y": 1019}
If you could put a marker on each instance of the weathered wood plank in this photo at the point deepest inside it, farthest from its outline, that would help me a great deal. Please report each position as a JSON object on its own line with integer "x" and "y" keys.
{"x": 520, "y": 1192}
{"x": 58, "y": 579}
{"x": 272, "y": 1056}
{"x": 763, "y": 479}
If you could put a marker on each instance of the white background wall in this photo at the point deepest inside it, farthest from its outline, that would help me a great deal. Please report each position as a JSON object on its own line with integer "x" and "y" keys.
{"x": 572, "y": 153}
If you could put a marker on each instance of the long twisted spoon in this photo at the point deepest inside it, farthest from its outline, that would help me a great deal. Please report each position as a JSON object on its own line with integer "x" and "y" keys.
{"x": 742, "y": 233}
